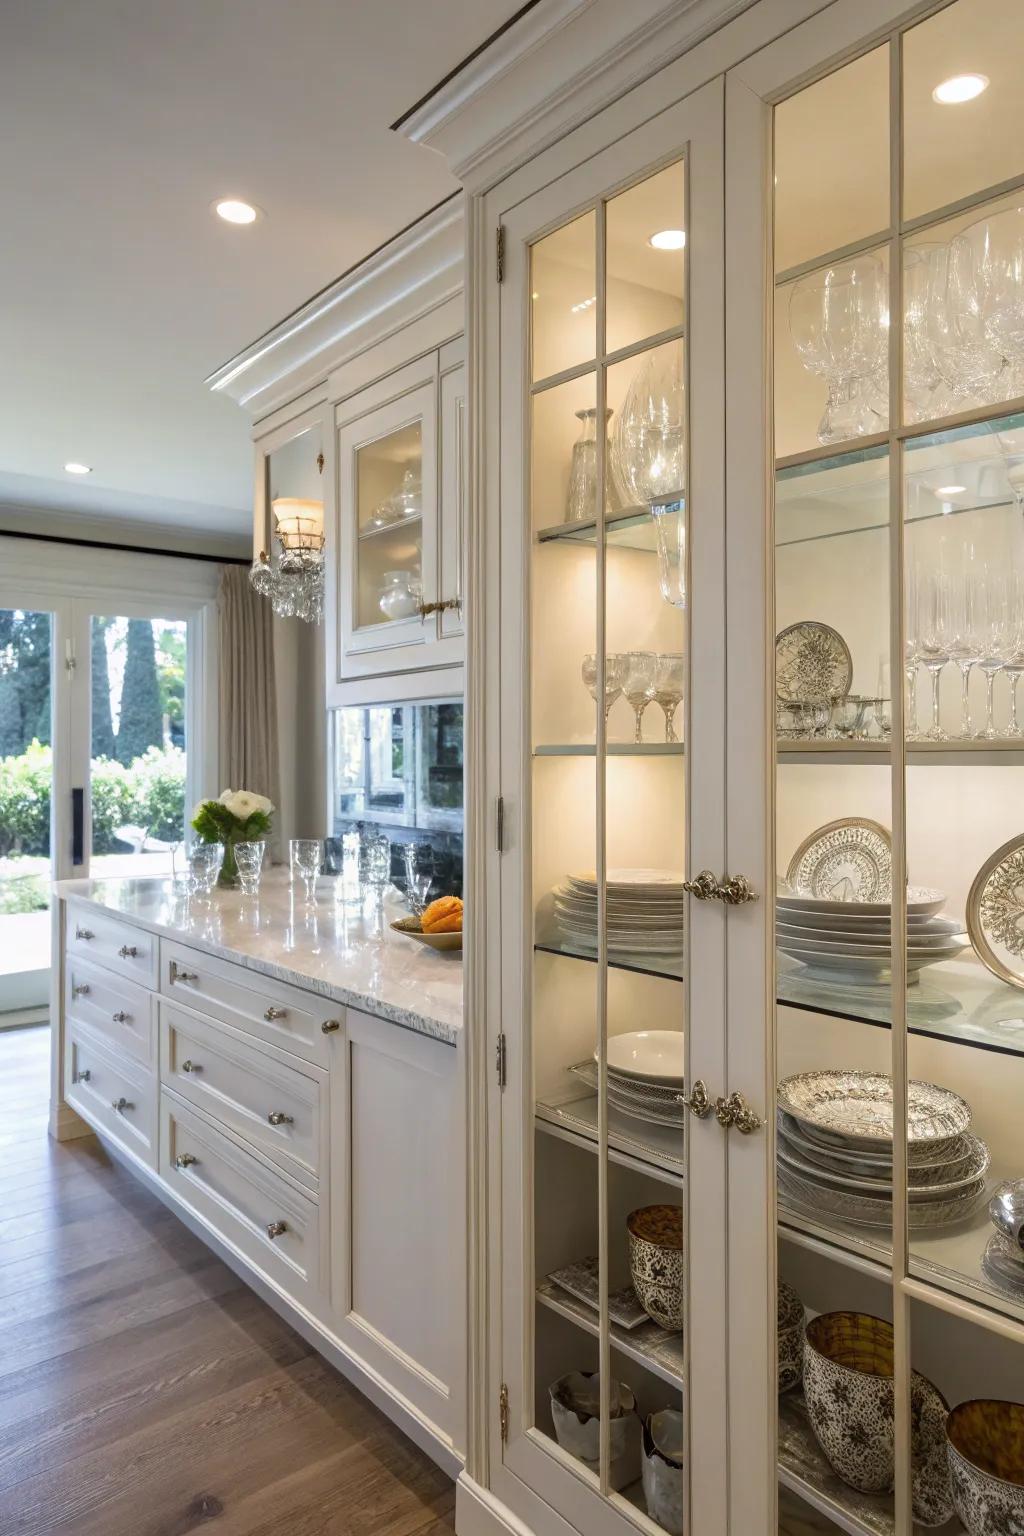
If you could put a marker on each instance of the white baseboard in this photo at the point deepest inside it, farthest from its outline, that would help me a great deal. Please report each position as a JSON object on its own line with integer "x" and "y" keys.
{"x": 479, "y": 1513}
{"x": 67, "y": 1125}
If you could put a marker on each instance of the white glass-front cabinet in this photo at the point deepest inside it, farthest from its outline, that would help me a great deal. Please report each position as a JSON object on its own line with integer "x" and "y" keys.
{"x": 695, "y": 669}
{"x": 400, "y": 490}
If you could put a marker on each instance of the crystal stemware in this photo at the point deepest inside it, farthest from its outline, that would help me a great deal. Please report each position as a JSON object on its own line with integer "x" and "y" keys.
{"x": 968, "y": 639}
{"x": 306, "y": 855}
{"x": 964, "y": 355}
{"x": 911, "y": 652}
{"x": 638, "y": 685}
{"x": 838, "y": 320}
{"x": 669, "y": 675}
{"x": 935, "y": 638}
{"x": 649, "y": 440}
{"x": 999, "y": 642}
{"x": 420, "y": 868}
{"x": 614, "y": 676}
{"x": 249, "y": 863}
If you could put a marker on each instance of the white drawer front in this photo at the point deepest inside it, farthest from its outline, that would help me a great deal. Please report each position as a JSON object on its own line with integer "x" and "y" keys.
{"x": 271, "y": 1010}
{"x": 281, "y": 1111}
{"x": 119, "y": 1010}
{"x": 94, "y": 935}
{"x": 267, "y": 1219}
{"x": 117, "y": 1096}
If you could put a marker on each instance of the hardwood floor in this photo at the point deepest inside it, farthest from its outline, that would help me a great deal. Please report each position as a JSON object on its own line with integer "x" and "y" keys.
{"x": 144, "y": 1390}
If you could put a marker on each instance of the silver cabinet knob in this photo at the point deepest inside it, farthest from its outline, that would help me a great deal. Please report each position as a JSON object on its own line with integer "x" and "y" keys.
{"x": 191, "y": 1066}
{"x": 733, "y": 892}
{"x": 330, "y": 1026}
{"x": 81, "y": 1077}
{"x": 177, "y": 974}
{"x": 699, "y": 1100}
{"x": 276, "y": 1229}
{"x": 121, "y": 1104}
{"x": 275, "y": 1013}
{"x": 736, "y": 1111}
{"x": 278, "y": 1117}
{"x": 83, "y": 933}
{"x": 80, "y": 989}
{"x": 120, "y": 1017}
{"x": 128, "y": 952}
{"x": 185, "y": 1160}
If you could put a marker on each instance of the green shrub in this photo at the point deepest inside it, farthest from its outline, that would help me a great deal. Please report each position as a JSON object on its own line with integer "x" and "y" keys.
{"x": 25, "y": 801}
{"x": 157, "y": 781}
{"x": 149, "y": 793}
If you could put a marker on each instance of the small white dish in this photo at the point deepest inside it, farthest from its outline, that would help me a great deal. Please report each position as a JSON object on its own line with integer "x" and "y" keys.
{"x": 655, "y": 1055}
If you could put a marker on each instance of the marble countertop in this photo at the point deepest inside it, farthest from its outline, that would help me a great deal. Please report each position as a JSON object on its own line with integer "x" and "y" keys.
{"x": 348, "y": 954}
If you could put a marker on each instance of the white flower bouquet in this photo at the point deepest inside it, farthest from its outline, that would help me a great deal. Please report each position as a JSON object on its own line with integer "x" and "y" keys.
{"x": 238, "y": 816}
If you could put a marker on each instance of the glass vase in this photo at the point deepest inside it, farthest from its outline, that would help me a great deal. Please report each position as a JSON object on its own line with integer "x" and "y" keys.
{"x": 581, "y": 497}
{"x": 649, "y": 441}
{"x": 227, "y": 879}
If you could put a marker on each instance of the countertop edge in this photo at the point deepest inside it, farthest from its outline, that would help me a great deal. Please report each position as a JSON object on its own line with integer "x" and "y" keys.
{"x": 404, "y": 1018}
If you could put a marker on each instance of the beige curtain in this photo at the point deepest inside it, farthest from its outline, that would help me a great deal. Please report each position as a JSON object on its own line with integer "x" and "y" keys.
{"x": 248, "y": 703}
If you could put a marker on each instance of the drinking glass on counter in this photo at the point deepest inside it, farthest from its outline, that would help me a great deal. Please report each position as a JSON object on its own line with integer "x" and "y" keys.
{"x": 420, "y": 869}
{"x": 375, "y": 863}
{"x": 306, "y": 855}
{"x": 249, "y": 863}
{"x": 204, "y": 862}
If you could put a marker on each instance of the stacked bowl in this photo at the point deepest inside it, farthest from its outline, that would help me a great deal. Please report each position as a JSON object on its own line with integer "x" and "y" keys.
{"x": 645, "y": 911}
{"x": 835, "y": 1149}
{"x": 852, "y": 940}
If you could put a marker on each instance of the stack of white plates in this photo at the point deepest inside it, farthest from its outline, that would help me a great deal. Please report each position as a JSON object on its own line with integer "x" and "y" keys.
{"x": 835, "y": 1151}
{"x": 854, "y": 938}
{"x": 645, "y": 911}
{"x": 645, "y": 1075}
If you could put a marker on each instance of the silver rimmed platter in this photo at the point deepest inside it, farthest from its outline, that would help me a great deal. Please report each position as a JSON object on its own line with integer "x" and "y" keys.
{"x": 926, "y": 1164}
{"x": 1004, "y": 1264}
{"x": 864, "y": 1210}
{"x": 845, "y": 860}
{"x": 857, "y": 1107}
{"x": 921, "y": 902}
{"x": 813, "y": 664}
{"x": 971, "y": 1181}
{"x": 995, "y": 912}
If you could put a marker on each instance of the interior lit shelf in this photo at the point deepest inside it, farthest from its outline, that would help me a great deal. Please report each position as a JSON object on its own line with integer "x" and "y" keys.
{"x": 613, "y": 749}
{"x": 657, "y": 1350}
{"x": 668, "y": 966}
{"x": 949, "y": 754}
{"x": 386, "y": 528}
{"x": 632, "y": 529}
{"x": 655, "y": 1150}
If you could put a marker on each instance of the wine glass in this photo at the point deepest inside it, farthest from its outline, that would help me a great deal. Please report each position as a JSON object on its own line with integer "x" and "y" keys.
{"x": 998, "y": 642}
{"x": 911, "y": 652}
{"x": 838, "y": 320}
{"x": 249, "y": 863}
{"x": 614, "y": 674}
{"x": 669, "y": 674}
{"x": 968, "y": 639}
{"x": 649, "y": 439}
{"x": 638, "y": 685}
{"x": 956, "y": 333}
{"x": 306, "y": 855}
{"x": 935, "y": 638}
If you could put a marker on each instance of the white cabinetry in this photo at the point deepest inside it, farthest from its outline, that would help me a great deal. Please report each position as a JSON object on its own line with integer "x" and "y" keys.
{"x": 318, "y": 1149}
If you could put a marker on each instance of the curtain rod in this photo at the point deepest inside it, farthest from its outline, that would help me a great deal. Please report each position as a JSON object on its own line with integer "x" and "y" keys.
{"x": 127, "y": 549}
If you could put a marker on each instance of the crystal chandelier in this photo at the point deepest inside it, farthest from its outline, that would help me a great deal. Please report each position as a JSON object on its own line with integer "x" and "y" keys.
{"x": 292, "y": 576}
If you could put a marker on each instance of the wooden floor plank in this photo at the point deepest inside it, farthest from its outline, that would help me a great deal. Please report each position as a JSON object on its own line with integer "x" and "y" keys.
{"x": 144, "y": 1389}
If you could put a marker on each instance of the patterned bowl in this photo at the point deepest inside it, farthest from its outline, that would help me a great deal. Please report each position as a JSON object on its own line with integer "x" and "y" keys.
{"x": 848, "y": 1386}
{"x": 790, "y": 1337}
{"x": 656, "y": 1262}
{"x": 986, "y": 1464}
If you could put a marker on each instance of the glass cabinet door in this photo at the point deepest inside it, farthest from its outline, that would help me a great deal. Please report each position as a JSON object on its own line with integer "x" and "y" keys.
{"x": 613, "y": 1310}
{"x": 899, "y": 646}
{"x": 288, "y": 563}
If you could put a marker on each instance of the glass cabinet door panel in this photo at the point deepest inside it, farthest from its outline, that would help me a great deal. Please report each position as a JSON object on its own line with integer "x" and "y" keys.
{"x": 645, "y": 242}
{"x": 832, "y": 162}
{"x": 961, "y": 122}
{"x": 563, "y": 296}
{"x": 389, "y": 514}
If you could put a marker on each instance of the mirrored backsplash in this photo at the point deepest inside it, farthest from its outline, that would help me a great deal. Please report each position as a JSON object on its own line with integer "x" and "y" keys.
{"x": 398, "y": 768}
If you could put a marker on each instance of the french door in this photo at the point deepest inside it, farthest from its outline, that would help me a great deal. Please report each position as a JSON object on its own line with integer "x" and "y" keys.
{"x": 609, "y": 533}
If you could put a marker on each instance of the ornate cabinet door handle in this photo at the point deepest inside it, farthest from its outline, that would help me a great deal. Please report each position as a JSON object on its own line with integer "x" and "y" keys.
{"x": 733, "y": 891}
{"x": 276, "y": 1229}
{"x": 736, "y": 1111}
{"x": 699, "y": 1101}
{"x": 705, "y": 887}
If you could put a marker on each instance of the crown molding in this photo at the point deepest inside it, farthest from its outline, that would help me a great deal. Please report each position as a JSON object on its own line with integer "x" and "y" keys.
{"x": 416, "y": 272}
{"x": 561, "y": 63}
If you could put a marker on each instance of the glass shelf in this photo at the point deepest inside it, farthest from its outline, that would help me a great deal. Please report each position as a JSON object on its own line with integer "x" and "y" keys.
{"x": 651, "y": 1149}
{"x": 942, "y": 754}
{"x": 395, "y": 527}
{"x": 613, "y": 748}
{"x": 668, "y": 966}
{"x": 632, "y": 529}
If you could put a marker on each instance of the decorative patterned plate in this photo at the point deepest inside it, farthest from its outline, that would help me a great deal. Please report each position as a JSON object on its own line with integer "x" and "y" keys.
{"x": 580, "y": 1280}
{"x": 867, "y": 1211}
{"x": 971, "y": 1180}
{"x": 812, "y": 664}
{"x": 995, "y": 912}
{"x": 1004, "y": 1264}
{"x": 857, "y": 1107}
{"x": 921, "y": 902}
{"x": 846, "y": 860}
{"x": 926, "y": 1166}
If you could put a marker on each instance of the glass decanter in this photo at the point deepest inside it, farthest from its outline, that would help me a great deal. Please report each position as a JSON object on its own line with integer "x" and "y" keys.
{"x": 581, "y": 498}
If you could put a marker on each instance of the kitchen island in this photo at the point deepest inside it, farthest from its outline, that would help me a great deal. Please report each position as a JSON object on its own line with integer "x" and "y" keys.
{"x": 286, "y": 1076}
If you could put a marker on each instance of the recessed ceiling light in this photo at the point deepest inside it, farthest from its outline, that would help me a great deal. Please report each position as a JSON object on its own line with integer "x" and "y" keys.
{"x": 951, "y": 490}
{"x": 668, "y": 239}
{"x": 233, "y": 211}
{"x": 959, "y": 88}
{"x": 74, "y": 468}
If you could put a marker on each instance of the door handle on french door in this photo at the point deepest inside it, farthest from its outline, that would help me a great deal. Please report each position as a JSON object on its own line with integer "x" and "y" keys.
{"x": 78, "y": 826}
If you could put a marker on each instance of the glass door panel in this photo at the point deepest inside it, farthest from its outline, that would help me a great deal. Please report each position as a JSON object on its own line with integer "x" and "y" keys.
{"x": 389, "y": 510}
{"x": 138, "y": 709}
{"x": 26, "y": 794}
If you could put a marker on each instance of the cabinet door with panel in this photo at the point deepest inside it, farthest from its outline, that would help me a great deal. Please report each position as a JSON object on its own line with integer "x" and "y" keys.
{"x": 452, "y": 542}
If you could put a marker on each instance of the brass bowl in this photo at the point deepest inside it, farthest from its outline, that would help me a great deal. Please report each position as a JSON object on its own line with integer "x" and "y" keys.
{"x": 986, "y": 1464}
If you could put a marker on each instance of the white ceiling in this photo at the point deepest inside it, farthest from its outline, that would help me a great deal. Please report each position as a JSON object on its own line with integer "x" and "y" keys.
{"x": 120, "y": 122}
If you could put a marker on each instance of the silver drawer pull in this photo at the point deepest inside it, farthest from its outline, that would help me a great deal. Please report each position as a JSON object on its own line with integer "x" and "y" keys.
{"x": 329, "y": 1026}
{"x": 81, "y": 1077}
{"x": 185, "y": 1160}
{"x": 80, "y": 989}
{"x": 275, "y": 1013}
{"x": 191, "y": 1066}
{"x": 128, "y": 952}
{"x": 83, "y": 933}
{"x": 121, "y": 1105}
{"x": 177, "y": 974}
{"x": 276, "y": 1229}
{"x": 120, "y": 1017}
{"x": 278, "y": 1117}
